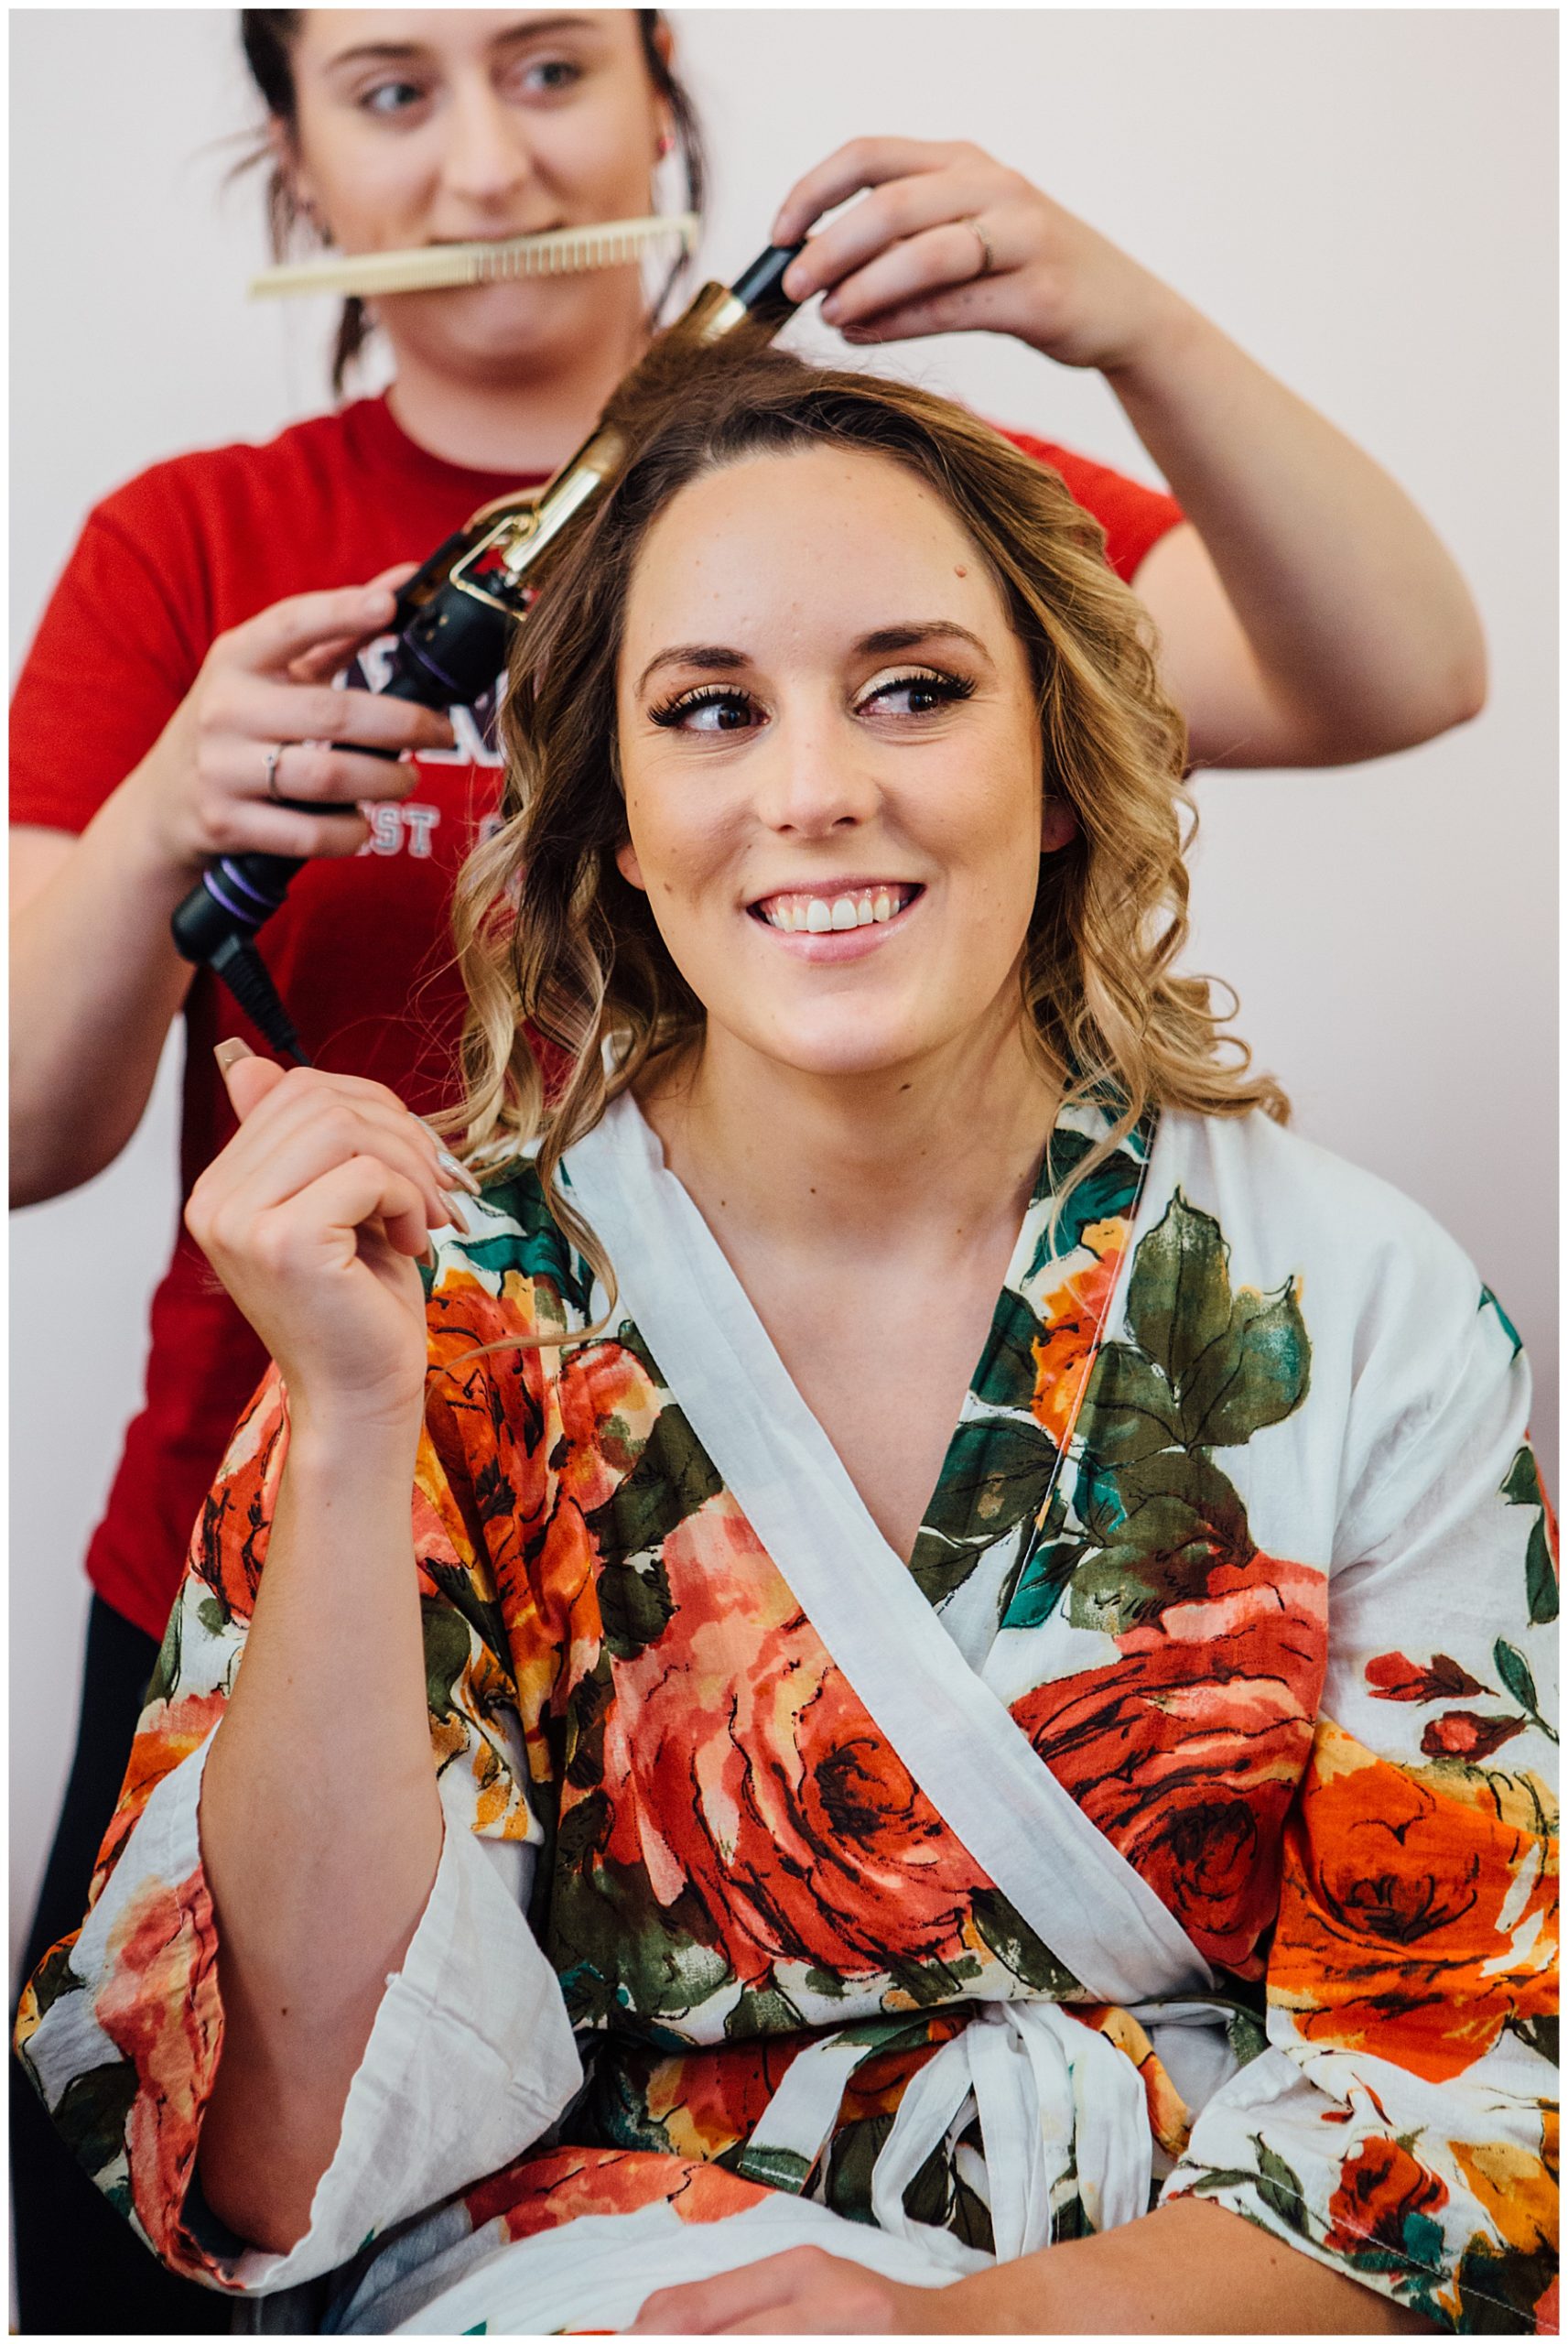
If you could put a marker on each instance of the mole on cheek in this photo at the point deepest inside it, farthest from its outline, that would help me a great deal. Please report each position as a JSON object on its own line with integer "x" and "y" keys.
{"x": 959, "y": 570}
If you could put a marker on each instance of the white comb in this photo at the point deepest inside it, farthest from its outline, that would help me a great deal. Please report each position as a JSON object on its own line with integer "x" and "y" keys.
{"x": 608, "y": 244}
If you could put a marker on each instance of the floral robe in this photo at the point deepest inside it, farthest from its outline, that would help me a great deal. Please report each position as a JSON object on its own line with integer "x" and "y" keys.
{"x": 1176, "y": 1821}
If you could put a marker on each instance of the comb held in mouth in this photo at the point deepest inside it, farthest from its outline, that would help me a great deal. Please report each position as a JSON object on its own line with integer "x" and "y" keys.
{"x": 558, "y": 252}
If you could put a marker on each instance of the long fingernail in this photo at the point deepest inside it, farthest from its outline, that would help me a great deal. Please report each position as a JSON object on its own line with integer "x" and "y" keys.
{"x": 459, "y": 1172}
{"x": 230, "y": 1052}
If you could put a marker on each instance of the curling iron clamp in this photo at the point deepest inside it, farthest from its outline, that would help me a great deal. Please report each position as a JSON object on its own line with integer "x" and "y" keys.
{"x": 607, "y": 244}
{"x": 453, "y": 625}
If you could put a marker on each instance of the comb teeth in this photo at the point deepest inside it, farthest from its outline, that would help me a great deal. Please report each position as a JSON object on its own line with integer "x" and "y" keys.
{"x": 558, "y": 252}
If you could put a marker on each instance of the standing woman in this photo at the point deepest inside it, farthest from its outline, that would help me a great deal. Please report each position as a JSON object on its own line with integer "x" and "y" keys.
{"x": 1306, "y": 614}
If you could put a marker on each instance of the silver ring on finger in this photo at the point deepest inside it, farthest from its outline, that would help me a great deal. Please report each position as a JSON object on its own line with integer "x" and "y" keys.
{"x": 273, "y": 754}
{"x": 988, "y": 257}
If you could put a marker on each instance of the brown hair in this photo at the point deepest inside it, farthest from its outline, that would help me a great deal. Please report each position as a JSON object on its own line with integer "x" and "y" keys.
{"x": 551, "y": 936}
{"x": 267, "y": 35}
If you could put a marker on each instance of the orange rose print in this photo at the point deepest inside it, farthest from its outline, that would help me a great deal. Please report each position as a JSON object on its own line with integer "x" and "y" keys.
{"x": 1411, "y": 1925}
{"x": 1382, "y": 2188}
{"x": 797, "y": 1827}
{"x": 1187, "y": 1749}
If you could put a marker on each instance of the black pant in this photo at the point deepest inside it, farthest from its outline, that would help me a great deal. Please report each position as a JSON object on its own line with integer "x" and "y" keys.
{"x": 81, "y": 2269}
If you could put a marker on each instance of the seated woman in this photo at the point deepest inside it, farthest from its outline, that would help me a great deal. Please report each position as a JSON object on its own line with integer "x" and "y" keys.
{"x": 963, "y": 1705}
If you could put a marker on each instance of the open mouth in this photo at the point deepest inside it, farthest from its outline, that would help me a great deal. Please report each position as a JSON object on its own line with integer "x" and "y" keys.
{"x": 802, "y": 912}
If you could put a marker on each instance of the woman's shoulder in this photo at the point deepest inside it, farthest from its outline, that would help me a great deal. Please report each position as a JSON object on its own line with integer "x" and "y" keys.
{"x": 1287, "y": 1206}
{"x": 208, "y": 482}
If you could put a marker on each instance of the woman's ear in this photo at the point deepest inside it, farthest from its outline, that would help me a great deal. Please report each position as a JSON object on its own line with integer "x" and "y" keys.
{"x": 1058, "y": 825}
{"x": 626, "y": 863}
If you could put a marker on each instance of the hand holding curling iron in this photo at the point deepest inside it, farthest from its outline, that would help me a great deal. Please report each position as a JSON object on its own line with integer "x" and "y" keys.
{"x": 263, "y": 756}
{"x": 946, "y": 240}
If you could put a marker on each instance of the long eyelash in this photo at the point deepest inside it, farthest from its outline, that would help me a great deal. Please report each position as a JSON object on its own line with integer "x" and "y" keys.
{"x": 670, "y": 711}
{"x": 933, "y": 680}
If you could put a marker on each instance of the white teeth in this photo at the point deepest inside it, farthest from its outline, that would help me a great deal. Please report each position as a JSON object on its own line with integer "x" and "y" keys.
{"x": 816, "y": 915}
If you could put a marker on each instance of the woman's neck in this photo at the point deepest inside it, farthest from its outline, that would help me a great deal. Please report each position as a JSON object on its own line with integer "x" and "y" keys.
{"x": 510, "y": 421}
{"x": 929, "y": 1158}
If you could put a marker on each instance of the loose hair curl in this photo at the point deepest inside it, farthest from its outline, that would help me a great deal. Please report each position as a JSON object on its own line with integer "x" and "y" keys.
{"x": 550, "y": 937}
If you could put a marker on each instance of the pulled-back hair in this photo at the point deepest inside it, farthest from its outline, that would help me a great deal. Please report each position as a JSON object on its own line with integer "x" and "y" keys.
{"x": 551, "y": 936}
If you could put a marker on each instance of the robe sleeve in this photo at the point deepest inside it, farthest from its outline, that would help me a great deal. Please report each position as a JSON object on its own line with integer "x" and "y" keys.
{"x": 1400, "y": 2126}
{"x": 470, "y": 2056}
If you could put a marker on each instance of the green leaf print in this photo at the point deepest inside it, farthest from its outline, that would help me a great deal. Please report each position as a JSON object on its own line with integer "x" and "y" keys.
{"x": 774, "y": 2168}
{"x": 762, "y": 2010}
{"x": 940, "y": 1569}
{"x": 1160, "y": 1528}
{"x": 1279, "y": 2186}
{"x": 1010, "y": 1937}
{"x": 995, "y": 1474}
{"x": 1108, "y": 1193}
{"x": 447, "y": 1648}
{"x": 1133, "y": 1407}
{"x": 1490, "y": 1300}
{"x": 165, "y": 1669}
{"x": 1235, "y": 1363}
{"x": 92, "y": 2112}
{"x": 1522, "y": 1486}
{"x": 1005, "y": 1378}
{"x": 55, "y": 1976}
{"x": 1178, "y": 1297}
{"x": 1517, "y": 1675}
{"x": 1252, "y": 1376}
{"x": 1046, "y": 1571}
{"x": 1540, "y": 2034}
{"x": 670, "y": 1482}
{"x": 635, "y": 1605}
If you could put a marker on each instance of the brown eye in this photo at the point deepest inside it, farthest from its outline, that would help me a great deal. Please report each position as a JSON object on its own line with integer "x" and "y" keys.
{"x": 710, "y": 711}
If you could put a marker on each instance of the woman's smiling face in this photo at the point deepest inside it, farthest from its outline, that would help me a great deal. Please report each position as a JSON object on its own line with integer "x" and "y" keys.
{"x": 832, "y": 762}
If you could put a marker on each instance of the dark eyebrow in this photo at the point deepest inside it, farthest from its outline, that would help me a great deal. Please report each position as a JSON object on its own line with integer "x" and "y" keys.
{"x": 878, "y": 644}
{"x": 694, "y": 655}
{"x": 397, "y": 51}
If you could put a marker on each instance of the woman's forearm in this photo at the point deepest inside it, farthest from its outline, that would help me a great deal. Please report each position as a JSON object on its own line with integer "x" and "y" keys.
{"x": 1190, "y": 2268}
{"x": 1364, "y": 635}
{"x": 320, "y": 1822}
{"x": 95, "y": 983}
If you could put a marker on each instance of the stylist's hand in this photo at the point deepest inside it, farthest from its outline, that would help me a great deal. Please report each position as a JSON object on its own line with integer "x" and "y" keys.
{"x": 314, "y": 1217}
{"x": 906, "y": 261}
{"x": 266, "y": 686}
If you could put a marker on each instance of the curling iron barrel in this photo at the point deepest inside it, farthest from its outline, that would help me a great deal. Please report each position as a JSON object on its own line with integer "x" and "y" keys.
{"x": 452, "y": 626}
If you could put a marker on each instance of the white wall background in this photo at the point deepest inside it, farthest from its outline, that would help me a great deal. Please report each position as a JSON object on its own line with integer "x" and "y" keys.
{"x": 1365, "y": 198}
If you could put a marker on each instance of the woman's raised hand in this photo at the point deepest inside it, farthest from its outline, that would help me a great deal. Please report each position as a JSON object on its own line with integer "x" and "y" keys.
{"x": 262, "y": 724}
{"x": 314, "y": 1217}
{"x": 950, "y": 241}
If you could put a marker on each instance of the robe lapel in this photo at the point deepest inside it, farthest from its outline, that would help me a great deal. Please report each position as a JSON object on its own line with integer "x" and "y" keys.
{"x": 951, "y": 1732}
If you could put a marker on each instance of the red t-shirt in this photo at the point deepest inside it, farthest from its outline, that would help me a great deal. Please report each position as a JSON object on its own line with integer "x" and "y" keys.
{"x": 360, "y": 950}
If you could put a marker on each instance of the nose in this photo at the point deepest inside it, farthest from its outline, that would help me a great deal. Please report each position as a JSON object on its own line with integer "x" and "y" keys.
{"x": 487, "y": 159}
{"x": 815, "y": 776}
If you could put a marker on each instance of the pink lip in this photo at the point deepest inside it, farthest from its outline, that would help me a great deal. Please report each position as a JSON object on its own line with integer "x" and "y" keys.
{"x": 839, "y": 944}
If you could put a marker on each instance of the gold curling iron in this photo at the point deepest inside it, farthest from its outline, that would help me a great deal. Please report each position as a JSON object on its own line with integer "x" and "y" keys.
{"x": 453, "y": 623}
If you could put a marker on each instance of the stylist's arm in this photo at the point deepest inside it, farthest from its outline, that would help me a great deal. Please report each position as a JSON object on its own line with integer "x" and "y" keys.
{"x": 95, "y": 979}
{"x": 320, "y": 1826}
{"x": 1308, "y": 615}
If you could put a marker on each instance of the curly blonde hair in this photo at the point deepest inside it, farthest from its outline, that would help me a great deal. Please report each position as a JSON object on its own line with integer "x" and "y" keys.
{"x": 550, "y": 937}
